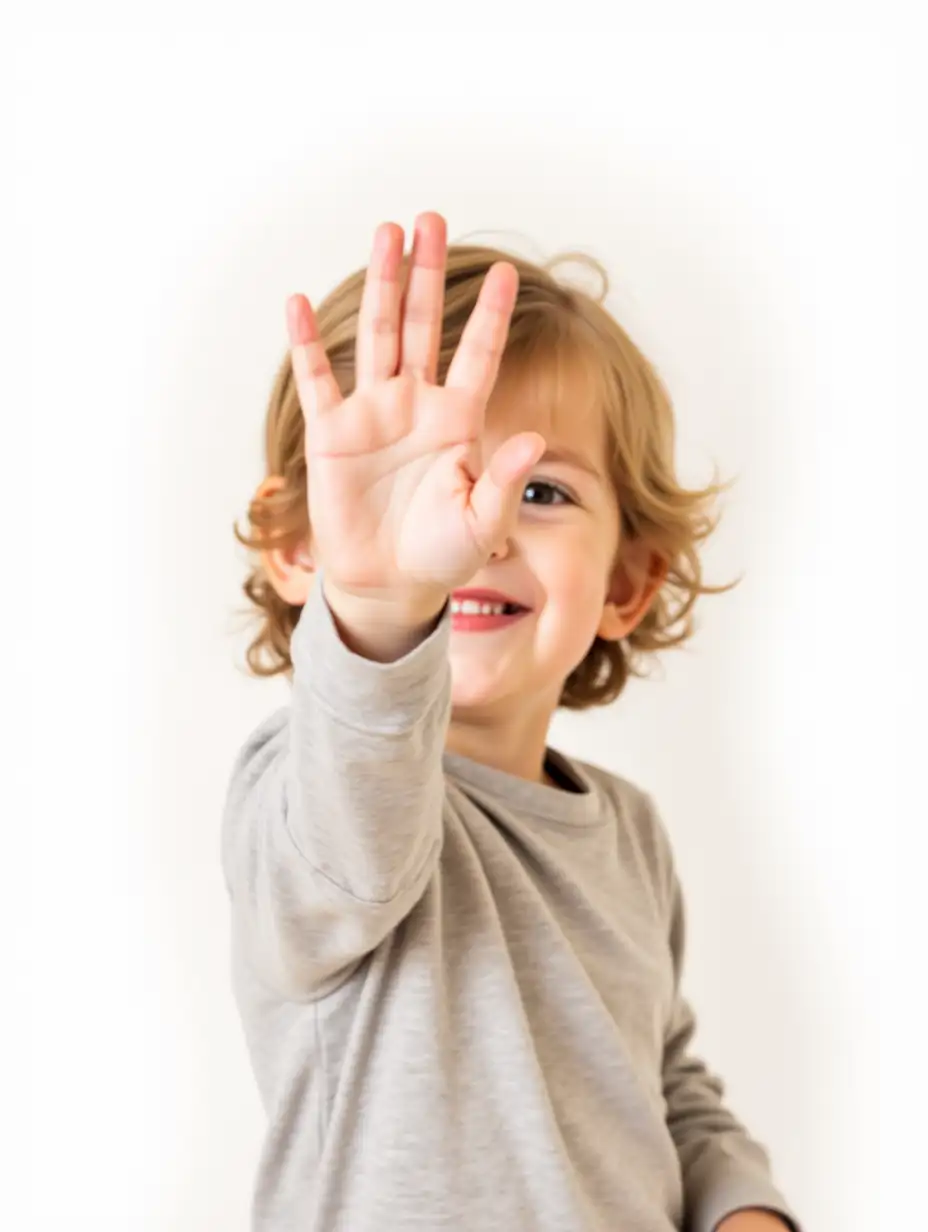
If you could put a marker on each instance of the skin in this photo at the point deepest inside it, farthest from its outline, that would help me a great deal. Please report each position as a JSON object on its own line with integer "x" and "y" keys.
{"x": 752, "y": 1220}
{"x": 401, "y": 520}
{"x": 558, "y": 560}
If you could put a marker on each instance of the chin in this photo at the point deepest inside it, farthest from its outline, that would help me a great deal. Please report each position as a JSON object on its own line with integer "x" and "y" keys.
{"x": 470, "y": 699}
{"x": 473, "y": 694}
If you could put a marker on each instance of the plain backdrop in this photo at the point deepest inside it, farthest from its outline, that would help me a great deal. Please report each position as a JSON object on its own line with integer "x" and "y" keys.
{"x": 171, "y": 190}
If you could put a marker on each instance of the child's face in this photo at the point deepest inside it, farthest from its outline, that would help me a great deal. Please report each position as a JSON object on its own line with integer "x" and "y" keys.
{"x": 558, "y": 562}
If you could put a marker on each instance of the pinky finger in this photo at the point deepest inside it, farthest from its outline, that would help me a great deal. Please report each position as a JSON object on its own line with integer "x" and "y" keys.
{"x": 315, "y": 382}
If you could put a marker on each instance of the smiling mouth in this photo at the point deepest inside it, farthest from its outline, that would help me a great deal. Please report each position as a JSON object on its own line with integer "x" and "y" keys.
{"x": 471, "y": 617}
{"x": 476, "y": 607}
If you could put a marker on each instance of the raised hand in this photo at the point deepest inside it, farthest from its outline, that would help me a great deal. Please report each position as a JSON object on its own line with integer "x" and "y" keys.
{"x": 400, "y": 508}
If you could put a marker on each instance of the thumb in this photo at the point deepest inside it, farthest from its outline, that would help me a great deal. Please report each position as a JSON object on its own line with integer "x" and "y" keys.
{"x": 497, "y": 494}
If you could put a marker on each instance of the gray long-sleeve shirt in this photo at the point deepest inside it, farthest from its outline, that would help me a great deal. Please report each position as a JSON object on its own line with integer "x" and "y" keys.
{"x": 460, "y": 990}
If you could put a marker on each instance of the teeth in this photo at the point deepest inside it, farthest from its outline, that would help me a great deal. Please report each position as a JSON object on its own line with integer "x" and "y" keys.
{"x": 471, "y": 607}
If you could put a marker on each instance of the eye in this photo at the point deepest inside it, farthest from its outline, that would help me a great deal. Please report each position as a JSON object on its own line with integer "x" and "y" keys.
{"x": 542, "y": 492}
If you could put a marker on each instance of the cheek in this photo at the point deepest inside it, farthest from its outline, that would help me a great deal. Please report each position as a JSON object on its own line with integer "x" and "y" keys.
{"x": 575, "y": 589}
{"x": 574, "y": 563}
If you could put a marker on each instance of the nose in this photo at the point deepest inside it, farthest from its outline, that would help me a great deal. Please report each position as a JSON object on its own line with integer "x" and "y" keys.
{"x": 502, "y": 549}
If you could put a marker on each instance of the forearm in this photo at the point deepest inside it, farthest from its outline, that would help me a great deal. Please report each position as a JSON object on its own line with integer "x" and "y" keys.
{"x": 333, "y": 825}
{"x": 366, "y": 781}
{"x": 726, "y": 1171}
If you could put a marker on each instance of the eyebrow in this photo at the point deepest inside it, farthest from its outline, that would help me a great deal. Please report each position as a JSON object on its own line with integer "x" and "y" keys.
{"x": 571, "y": 458}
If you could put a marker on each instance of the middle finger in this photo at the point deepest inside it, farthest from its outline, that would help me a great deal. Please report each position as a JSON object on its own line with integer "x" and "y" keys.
{"x": 423, "y": 306}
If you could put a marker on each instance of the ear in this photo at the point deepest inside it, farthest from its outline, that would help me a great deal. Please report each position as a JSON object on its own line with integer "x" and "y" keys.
{"x": 289, "y": 571}
{"x": 638, "y": 576}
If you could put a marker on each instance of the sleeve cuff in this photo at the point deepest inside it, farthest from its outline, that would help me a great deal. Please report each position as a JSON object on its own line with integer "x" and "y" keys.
{"x": 359, "y": 691}
{"x": 722, "y": 1187}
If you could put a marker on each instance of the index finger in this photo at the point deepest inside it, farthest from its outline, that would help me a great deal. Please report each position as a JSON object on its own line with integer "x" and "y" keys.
{"x": 476, "y": 362}
{"x": 315, "y": 382}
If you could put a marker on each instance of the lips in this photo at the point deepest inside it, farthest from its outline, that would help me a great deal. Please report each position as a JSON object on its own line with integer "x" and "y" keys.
{"x": 488, "y": 596}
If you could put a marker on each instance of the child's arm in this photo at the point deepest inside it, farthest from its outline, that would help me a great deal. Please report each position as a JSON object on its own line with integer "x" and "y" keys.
{"x": 333, "y": 826}
{"x": 333, "y": 822}
{"x": 726, "y": 1173}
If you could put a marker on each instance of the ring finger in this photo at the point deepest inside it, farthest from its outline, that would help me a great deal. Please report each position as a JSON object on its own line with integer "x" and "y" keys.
{"x": 378, "y": 339}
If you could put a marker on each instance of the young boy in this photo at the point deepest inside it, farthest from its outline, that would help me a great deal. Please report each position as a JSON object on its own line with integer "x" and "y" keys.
{"x": 456, "y": 951}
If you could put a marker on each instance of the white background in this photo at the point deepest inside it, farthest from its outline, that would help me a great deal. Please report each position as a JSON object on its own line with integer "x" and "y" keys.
{"x": 745, "y": 190}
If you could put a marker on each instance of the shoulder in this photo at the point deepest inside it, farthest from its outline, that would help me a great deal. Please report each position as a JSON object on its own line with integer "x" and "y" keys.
{"x": 262, "y": 748}
{"x": 638, "y": 823}
{"x": 253, "y": 788}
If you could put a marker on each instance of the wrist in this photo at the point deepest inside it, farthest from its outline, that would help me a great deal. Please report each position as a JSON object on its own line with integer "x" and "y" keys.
{"x": 383, "y": 627}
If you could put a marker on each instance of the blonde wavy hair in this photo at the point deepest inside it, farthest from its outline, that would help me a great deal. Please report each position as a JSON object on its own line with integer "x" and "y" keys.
{"x": 555, "y": 325}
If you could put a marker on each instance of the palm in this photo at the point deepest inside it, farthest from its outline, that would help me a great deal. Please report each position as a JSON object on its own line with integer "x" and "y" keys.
{"x": 392, "y": 502}
{"x": 395, "y": 500}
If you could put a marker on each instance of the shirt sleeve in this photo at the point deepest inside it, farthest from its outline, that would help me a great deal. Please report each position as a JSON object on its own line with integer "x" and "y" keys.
{"x": 333, "y": 821}
{"x": 724, "y": 1168}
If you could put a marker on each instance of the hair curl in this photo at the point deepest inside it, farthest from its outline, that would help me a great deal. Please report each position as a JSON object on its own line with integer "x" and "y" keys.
{"x": 554, "y": 325}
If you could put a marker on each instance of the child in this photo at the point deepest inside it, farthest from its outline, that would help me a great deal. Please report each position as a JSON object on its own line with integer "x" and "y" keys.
{"x": 456, "y": 951}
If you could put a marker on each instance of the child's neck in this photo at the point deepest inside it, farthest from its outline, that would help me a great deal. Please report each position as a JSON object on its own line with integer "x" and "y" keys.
{"x": 516, "y": 747}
